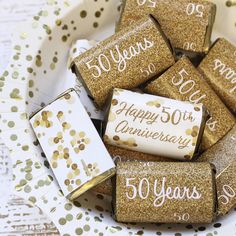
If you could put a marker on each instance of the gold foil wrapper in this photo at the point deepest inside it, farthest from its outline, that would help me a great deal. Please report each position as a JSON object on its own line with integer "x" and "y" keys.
{"x": 125, "y": 60}
{"x": 219, "y": 68}
{"x": 164, "y": 192}
{"x": 188, "y": 23}
{"x": 184, "y": 82}
{"x": 120, "y": 154}
{"x": 223, "y": 156}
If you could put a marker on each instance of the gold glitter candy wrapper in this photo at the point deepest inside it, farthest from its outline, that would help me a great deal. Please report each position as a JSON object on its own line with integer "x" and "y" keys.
{"x": 164, "y": 192}
{"x": 120, "y": 154}
{"x": 223, "y": 156}
{"x": 125, "y": 60}
{"x": 219, "y": 68}
{"x": 155, "y": 125}
{"x": 69, "y": 139}
{"x": 188, "y": 23}
{"x": 184, "y": 82}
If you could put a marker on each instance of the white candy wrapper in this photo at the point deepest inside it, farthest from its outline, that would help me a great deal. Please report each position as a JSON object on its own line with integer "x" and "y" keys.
{"x": 72, "y": 145}
{"x": 155, "y": 125}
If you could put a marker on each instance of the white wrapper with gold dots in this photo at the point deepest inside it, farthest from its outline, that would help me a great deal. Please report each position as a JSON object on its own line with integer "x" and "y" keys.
{"x": 70, "y": 142}
{"x": 155, "y": 125}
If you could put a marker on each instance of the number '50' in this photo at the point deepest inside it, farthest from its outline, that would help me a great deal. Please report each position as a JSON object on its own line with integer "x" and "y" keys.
{"x": 104, "y": 65}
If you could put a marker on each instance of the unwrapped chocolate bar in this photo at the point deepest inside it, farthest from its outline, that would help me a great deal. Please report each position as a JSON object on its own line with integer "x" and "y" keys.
{"x": 155, "y": 125}
{"x": 223, "y": 156}
{"x": 69, "y": 140}
{"x": 219, "y": 68}
{"x": 125, "y": 60}
{"x": 164, "y": 192}
{"x": 184, "y": 82}
{"x": 188, "y": 23}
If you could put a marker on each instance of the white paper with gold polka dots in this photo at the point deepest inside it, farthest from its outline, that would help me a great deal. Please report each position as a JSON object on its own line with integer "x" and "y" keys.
{"x": 71, "y": 143}
{"x": 37, "y": 73}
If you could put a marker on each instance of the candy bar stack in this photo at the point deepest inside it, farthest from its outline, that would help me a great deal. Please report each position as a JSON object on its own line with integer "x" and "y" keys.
{"x": 167, "y": 143}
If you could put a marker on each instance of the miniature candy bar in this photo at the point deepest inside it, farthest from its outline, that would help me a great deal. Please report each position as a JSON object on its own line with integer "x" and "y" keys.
{"x": 219, "y": 68}
{"x": 155, "y": 125}
{"x": 188, "y": 23}
{"x": 77, "y": 156}
{"x": 223, "y": 156}
{"x": 164, "y": 192}
{"x": 184, "y": 82}
{"x": 125, "y": 60}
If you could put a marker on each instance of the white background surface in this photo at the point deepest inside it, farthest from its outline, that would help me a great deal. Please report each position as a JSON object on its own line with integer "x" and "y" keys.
{"x": 19, "y": 218}
{"x": 11, "y": 13}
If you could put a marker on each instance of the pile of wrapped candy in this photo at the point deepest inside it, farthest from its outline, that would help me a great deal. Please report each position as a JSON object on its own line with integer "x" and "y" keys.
{"x": 166, "y": 149}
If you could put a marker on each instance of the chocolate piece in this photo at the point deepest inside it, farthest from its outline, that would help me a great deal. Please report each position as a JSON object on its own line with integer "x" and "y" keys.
{"x": 164, "y": 192}
{"x": 219, "y": 69}
{"x": 184, "y": 82}
{"x": 155, "y": 125}
{"x": 188, "y": 23}
{"x": 223, "y": 156}
{"x": 69, "y": 139}
{"x": 125, "y": 60}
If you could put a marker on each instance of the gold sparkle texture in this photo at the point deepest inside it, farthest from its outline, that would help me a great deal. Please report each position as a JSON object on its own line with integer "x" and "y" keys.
{"x": 219, "y": 68}
{"x": 164, "y": 192}
{"x": 125, "y": 60}
{"x": 184, "y": 82}
{"x": 188, "y": 23}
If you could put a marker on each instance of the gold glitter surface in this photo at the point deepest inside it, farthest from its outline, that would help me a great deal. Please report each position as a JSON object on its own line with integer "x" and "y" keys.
{"x": 164, "y": 192}
{"x": 226, "y": 189}
{"x": 223, "y": 153}
{"x": 223, "y": 156}
{"x": 121, "y": 154}
{"x": 219, "y": 68}
{"x": 188, "y": 23}
{"x": 183, "y": 82}
{"x": 125, "y": 60}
